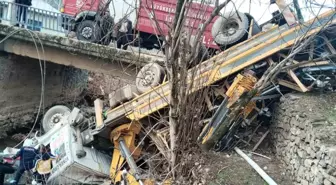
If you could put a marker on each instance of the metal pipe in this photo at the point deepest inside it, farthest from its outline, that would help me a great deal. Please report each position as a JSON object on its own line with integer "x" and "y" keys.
{"x": 270, "y": 90}
{"x": 298, "y": 10}
{"x": 130, "y": 161}
{"x": 266, "y": 97}
{"x": 310, "y": 76}
{"x": 255, "y": 166}
{"x": 80, "y": 152}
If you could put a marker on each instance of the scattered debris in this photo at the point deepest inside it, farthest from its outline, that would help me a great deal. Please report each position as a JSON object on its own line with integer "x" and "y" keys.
{"x": 147, "y": 128}
{"x": 267, "y": 178}
{"x": 260, "y": 155}
{"x": 260, "y": 140}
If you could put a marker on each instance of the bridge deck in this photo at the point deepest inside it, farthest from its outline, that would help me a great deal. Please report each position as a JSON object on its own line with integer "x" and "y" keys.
{"x": 67, "y": 51}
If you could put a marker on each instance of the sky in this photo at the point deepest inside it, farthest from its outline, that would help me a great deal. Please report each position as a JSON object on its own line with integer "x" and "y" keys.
{"x": 43, "y": 5}
{"x": 261, "y": 10}
{"x": 39, "y": 4}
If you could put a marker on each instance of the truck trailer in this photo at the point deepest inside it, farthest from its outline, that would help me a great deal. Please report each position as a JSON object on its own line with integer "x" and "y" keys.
{"x": 97, "y": 21}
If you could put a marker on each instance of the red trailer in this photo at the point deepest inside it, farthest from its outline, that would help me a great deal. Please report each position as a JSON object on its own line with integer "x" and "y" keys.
{"x": 92, "y": 22}
{"x": 164, "y": 10}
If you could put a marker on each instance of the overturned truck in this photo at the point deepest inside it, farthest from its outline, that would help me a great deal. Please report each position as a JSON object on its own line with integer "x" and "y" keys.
{"x": 91, "y": 139}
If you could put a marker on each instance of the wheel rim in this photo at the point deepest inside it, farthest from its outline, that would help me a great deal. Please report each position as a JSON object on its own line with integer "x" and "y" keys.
{"x": 230, "y": 28}
{"x": 148, "y": 78}
{"x": 87, "y": 32}
{"x": 55, "y": 119}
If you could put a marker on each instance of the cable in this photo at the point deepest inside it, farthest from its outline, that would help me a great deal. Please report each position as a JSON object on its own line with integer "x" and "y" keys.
{"x": 42, "y": 89}
{"x": 42, "y": 70}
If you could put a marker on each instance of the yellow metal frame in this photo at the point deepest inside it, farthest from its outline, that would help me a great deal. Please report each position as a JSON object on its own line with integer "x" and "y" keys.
{"x": 214, "y": 74}
{"x": 241, "y": 84}
{"x": 127, "y": 132}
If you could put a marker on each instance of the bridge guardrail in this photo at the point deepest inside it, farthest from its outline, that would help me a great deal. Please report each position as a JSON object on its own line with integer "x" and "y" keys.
{"x": 34, "y": 18}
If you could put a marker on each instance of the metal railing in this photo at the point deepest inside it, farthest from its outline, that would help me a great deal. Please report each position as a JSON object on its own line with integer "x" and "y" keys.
{"x": 34, "y": 18}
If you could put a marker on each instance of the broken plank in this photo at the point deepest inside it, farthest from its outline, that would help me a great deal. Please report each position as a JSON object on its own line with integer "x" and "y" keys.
{"x": 289, "y": 85}
{"x": 208, "y": 102}
{"x": 260, "y": 141}
{"x": 329, "y": 45}
{"x": 270, "y": 61}
{"x": 135, "y": 94}
{"x": 306, "y": 64}
{"x": 281, "y": 55}
{"x": 255, "y": 166}
{"x": 218, "y": 91}
{"x": 297, "y": 81}
{"x": 315, "y": 64}
{"x": 285, "y": 56}
{"x": 251, "y": 29}
{"x": 264, "y": 156}
{"x": 311, "y": 51}
{"x": 266, "y": 97}
{"x": 227, "y": 85}
{"x": 98, "y": 105}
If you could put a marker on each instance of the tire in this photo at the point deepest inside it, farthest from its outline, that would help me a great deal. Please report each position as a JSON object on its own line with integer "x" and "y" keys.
{"x": 53, "y": 116}
{"x": 89, "y": 31}
{"x": 229, "y": 29}
{"x": 149, "y": 76}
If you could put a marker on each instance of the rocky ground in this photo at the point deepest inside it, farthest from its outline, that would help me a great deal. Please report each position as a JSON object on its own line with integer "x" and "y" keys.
{"x": 231, "y": 169}
{"x": 304, "y": 135}
{"x": 301, "y": 147}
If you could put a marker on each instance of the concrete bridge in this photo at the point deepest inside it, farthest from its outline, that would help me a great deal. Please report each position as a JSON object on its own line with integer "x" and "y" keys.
{"x": 72, "y": 67}
{"x": 71, "y": 52}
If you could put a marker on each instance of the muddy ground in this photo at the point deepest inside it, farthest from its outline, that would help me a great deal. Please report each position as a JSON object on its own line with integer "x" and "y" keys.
{"x": 228, "y": 168}
{"x": 232, "y": 169}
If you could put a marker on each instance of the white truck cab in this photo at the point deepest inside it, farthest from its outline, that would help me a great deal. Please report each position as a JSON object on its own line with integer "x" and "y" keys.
{"x": 91, "y": 167}
{"x": 68, "y": 168}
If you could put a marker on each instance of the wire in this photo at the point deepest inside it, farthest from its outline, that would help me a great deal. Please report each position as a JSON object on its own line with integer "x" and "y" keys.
{"x": 42, "y": 70}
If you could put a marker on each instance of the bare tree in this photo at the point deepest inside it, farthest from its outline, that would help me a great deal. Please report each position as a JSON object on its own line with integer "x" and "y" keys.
{"x": 177, "y": 66}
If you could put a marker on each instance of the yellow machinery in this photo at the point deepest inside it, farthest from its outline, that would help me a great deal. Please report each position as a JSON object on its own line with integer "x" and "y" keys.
{"x": 123, "y": 137}
{"x": 241, "y": 84}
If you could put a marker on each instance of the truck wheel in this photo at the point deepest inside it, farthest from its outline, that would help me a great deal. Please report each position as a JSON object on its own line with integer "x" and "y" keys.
{"x": 149, "y": 76}
{"x": 89, "y": 31}
{"x": 229, "y": 28}
{"x": 53, "y": 116}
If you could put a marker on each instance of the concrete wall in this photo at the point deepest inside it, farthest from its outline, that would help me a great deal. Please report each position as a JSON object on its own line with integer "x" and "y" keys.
{"x": 304, "y": 135}
{"x": 20, "y": 88}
